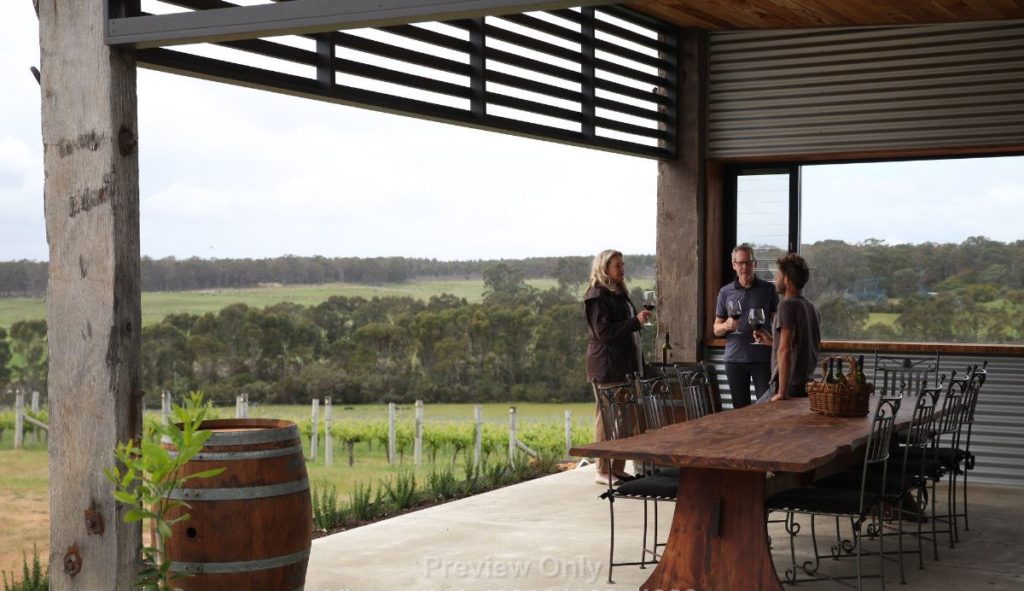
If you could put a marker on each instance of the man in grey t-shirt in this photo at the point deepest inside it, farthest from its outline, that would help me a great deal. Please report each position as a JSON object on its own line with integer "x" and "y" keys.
{"x": 744, "y": 360}
{"x": 796, "y": 332}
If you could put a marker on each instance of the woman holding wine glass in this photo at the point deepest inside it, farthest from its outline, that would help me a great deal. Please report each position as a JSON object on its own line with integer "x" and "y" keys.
{"x": 613, "y": 347}
{"x": 743, "y": 306}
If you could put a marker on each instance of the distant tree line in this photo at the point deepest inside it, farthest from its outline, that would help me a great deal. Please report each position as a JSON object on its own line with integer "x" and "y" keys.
{"x": 520, "y": 343}
{"x": 28, "y": 278}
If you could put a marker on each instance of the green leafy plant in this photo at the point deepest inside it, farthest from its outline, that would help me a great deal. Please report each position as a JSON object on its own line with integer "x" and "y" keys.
{"x": 32, "y": 577}
{"x": 442, "y": 484}
{"x": 327, "y": 513}
{"x": 401, "y": 490}
{"x": 360, "y": 506}
{"x": 147, "y": 473}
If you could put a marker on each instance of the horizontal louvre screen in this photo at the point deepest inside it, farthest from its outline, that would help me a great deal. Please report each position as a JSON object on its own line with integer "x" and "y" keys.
{"x": 597, "y": 77}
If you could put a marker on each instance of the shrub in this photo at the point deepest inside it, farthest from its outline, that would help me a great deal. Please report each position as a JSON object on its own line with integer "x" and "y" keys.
{"x": 401, "y": 490}
{"x": 32, "y": 577}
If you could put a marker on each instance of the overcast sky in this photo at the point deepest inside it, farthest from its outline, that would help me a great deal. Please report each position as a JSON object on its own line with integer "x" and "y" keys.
{"x": 232, "y": 172}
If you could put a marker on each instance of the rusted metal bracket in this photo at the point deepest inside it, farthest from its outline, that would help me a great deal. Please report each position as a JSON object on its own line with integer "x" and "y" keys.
{"x": 93, "y": 522}
{"x": 73, "y": 561}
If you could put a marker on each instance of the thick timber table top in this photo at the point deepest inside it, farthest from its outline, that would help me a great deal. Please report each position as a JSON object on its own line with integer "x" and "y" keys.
{"x": 784, "y": 436}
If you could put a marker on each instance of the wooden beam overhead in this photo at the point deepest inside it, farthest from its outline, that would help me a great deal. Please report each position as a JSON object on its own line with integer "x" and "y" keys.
{"x": 799, "y": 14}
{"x": 300, "y": 17}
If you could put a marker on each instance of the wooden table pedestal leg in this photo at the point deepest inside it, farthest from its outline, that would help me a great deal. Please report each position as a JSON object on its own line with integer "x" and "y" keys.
{"x": 718, "y": 540}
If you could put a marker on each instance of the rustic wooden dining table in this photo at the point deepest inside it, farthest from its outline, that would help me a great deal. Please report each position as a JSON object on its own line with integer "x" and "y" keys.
{"x": 718, "y": 538}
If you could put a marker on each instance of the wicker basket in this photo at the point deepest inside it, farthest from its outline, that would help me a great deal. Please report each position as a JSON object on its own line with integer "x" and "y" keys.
{"x": 840, "y": 399}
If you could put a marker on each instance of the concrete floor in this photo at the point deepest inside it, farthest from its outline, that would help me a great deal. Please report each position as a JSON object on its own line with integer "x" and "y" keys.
{"x": 552, "y": 534}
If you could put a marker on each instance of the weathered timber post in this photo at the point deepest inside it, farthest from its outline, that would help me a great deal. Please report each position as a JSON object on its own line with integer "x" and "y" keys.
{"x": 19, "y": 420}
{"x": 93, "y": 304}
{"x": 314, "y": 436}
{"x": 478, "y": 435}
{"x": 35, "y": 401}
{"x": 165, "y": 407}
{"x": 512, "y": 435}
{"x": 391, "y": 434}
{"x": 328, "y": 437}
{"x": 568, "y": 432}
{"x": 417, "y": 444}
{"x": 681, "y": 208}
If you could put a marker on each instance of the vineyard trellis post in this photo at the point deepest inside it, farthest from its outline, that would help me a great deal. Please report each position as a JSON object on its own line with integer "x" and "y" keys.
{"x": 479, "y": 439}
{"x": 391, "y": 433}
{"x": 417, "y": 446}
{"x": 19, "y": 419}
{"x": 36, "y": 438}
{"x": 242, "y": 406}
{"x": 315, "y": 433}
{"x": 513, "y": 438}
{"x": 568, "y": 432}
{"x": 328, "y": 437}
{"x": 165, "y": 407}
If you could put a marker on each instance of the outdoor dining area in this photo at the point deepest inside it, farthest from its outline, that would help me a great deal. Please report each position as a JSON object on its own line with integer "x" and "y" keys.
{"x": 874, "y": 473}
{"x": 756, "y": 498}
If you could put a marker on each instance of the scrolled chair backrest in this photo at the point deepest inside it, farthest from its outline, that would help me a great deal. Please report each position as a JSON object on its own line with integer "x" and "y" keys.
{"x": 658, "y": 402}
{"x": 883, "y": 419}
{"x": 922, "y": 422}
{"x": 619, "y": 409}
{"x": 951, "y": 410}
{"x": 903, "y": 375}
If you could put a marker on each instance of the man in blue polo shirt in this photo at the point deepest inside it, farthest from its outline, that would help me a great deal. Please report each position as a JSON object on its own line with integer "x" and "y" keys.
{"x": 745, "y": 360}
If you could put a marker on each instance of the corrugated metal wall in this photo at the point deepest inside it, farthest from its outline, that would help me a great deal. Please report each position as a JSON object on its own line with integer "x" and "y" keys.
{"x": 998, "y": 437}
{"x": 845, "y": 90}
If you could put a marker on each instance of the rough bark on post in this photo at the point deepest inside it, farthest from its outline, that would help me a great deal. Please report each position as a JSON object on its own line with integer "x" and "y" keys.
{"x": 93, "y": 304}
{"x": 391, "y": 433}
{"x": 478, "y": 435}
{"x": 681, "y": 209}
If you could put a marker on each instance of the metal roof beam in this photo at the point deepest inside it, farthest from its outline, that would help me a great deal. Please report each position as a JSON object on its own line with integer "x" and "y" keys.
{"x": 305, "y": 16}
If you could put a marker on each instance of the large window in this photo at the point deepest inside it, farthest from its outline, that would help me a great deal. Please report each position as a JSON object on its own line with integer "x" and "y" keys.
{"x": 923, "y": 251}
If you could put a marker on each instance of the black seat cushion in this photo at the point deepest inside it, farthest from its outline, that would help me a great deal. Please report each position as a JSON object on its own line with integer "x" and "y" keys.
{"x": 852, "y": 479}
{"x": 663, "y": 487}
{"x": 952, "y": 457}
{"x": 929, "y": 468}
{"x": 671, "y": 472}
{"x": 822, "y": 500}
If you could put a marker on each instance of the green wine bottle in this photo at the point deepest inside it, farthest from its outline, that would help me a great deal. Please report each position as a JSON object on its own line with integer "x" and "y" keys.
{"x": 840, "y": 378}
{"x": 860, "y": 371}
{"x": 831, "y": 377}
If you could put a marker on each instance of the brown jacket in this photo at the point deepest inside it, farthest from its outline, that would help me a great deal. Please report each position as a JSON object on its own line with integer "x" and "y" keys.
{"x": 611, "y": 350}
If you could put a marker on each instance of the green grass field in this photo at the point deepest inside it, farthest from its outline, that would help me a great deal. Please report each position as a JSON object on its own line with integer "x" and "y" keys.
{"x": 157, "y": 305}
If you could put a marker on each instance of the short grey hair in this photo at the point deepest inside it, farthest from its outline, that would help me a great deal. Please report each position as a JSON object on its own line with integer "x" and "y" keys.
{"x": 746, "y": 248}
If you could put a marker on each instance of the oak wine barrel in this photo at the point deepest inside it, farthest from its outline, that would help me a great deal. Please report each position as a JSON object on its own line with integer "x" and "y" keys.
{"x": 250, "y": 526}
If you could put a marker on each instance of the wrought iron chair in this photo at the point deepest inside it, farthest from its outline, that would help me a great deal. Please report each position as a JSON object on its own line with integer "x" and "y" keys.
{"x": 908, "y": 476}
{"x": 622, "y": 416}
{"x": 858, "y": 504}
{"x": 979, "y": 376}
{"x": 904, "y": 373}
{"x": 681, "y": 394}
{"x": 957, "y": 405}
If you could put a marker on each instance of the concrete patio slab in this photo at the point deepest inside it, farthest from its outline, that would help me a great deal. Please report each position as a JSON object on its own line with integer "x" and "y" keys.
{"x": 552, "y": 534}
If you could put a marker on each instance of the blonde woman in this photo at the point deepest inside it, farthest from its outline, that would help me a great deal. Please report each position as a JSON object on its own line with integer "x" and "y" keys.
{"x": 613, "y": 349}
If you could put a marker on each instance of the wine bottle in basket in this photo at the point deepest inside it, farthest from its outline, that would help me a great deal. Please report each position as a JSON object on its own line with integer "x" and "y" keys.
{"x": 824, "y": 372}
{"x": 840, "y": 378}
{"x": 860, "y": 371}
{"x": 830, "y": 378}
